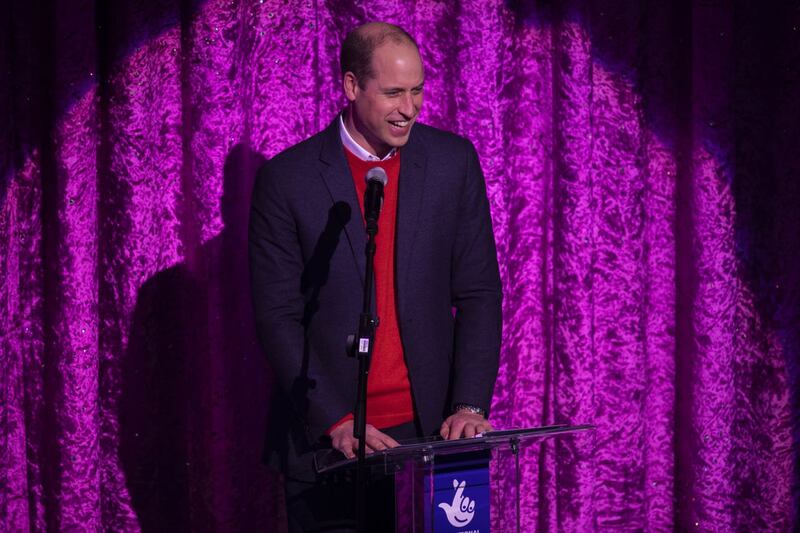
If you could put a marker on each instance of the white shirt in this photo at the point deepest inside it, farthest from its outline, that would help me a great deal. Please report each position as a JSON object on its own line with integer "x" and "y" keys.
{"x": 356, "y": 148}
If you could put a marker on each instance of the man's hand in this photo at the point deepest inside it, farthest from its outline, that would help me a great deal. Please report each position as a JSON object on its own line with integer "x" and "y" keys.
{"x": 463, "y": 423}
{"x": 343, "y": 440}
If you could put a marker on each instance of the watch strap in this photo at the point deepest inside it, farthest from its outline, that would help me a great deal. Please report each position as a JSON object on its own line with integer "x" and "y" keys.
{"x": 469, "y": 408}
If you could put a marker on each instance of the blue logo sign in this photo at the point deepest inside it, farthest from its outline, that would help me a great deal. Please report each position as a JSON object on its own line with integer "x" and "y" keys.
{"x": 461, "y": 501}
{"x": 460, "y": 512}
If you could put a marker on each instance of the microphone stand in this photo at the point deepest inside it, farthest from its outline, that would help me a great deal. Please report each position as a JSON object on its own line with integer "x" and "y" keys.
{"x": 362, "y": 349}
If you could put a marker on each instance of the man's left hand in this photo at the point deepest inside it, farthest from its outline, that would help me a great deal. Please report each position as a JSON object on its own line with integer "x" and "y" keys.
{"x": 463, "y": 424}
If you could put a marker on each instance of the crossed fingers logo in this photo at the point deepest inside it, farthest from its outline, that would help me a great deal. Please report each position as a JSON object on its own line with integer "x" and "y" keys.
{"x": 462, "y": 510}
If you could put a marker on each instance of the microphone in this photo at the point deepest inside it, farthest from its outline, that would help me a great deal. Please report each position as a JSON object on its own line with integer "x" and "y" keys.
{"x": 373, "y": 197}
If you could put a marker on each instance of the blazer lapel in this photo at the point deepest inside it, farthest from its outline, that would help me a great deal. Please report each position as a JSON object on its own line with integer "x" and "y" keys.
{"x": 338, "y": 179}
{"x": 409, "y": 203}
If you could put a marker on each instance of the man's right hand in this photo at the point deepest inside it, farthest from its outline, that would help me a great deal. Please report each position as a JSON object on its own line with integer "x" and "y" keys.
{"x": 343, "y": 440}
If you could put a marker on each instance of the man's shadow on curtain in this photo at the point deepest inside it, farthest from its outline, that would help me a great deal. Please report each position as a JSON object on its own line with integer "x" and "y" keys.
{"x": 196, "y": 387}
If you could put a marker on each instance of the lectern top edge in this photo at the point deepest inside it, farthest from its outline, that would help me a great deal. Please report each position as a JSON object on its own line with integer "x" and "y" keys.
{"x": 332, "y": 460}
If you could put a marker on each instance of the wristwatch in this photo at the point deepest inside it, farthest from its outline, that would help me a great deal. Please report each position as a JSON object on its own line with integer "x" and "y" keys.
{"x": 470, "y": 408}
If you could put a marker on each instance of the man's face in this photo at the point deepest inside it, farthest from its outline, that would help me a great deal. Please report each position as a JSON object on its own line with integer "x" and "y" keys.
{"x": 383, "y": 111}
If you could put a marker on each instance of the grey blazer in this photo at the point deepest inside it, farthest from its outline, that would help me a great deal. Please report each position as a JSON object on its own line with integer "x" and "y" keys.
{"x": 307, "y": 241}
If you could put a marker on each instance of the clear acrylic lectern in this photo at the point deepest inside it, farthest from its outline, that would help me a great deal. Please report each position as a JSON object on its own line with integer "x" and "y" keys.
{"x": 443, "y": 485}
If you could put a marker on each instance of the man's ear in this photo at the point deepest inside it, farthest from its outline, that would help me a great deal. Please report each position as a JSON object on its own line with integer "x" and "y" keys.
{"x": 350, "y": 85}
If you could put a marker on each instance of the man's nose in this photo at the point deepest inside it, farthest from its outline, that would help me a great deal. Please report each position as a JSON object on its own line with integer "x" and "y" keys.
{"x": 406, "y": 106}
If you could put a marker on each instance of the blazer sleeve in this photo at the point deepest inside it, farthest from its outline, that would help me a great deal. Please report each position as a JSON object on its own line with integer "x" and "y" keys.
{"x": 476, "y": 293}
{"x": 276, "y": 269}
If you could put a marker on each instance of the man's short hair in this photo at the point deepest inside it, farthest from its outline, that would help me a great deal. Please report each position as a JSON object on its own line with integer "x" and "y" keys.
{"x": 360, "y": 44}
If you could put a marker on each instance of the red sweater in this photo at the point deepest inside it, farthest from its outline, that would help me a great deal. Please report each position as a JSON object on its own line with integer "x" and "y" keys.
{"x": 389, "y": 400}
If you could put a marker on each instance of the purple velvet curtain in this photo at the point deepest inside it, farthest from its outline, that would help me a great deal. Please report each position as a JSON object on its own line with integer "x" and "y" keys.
{"x": 642, "y": 164}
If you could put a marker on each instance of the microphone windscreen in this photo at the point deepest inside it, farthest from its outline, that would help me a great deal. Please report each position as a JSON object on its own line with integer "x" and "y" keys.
{"x": 377, "y": 174}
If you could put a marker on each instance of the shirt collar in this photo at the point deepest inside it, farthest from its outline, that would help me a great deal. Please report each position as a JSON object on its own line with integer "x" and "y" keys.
{"x": 356, "y": 148}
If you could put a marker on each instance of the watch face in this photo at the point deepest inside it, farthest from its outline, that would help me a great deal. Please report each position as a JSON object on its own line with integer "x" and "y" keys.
{"x": 470, "y": 408}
